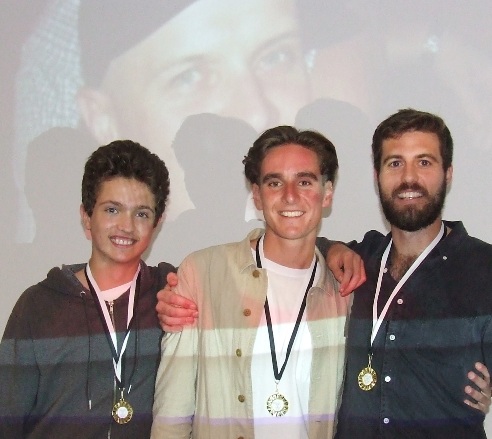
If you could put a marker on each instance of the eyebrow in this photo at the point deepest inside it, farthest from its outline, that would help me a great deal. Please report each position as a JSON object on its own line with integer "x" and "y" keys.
{"x": 419, "y": 156}
{"x": 278, "y": 176}
{"x": 117, "y": 203}
{"x": 278, "y": 39}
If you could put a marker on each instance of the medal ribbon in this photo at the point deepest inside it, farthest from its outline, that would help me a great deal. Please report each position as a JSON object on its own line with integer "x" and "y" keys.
{"x": 377, "y": 321}
{"x": 109, "y": 329}
{"x": 278, "y": 374}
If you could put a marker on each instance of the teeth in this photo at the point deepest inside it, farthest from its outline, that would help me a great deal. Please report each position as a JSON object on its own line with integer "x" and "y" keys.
{"x": 291, "y": 214}
{"x": 409, "y": 195}
{"x": 121, "y": 241}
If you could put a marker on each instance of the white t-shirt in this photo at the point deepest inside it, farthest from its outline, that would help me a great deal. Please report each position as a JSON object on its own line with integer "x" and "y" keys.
{"x": 286, "y": 288}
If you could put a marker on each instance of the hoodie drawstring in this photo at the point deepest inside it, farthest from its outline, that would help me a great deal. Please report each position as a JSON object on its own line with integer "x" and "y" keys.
{"x": 89, "y": 360}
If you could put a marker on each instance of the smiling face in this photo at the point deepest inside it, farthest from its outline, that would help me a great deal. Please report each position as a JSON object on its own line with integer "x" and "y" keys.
{"x": 412, "y": 182}
{"x": 122, "y": 223}
{"x": 232, "y": 58}
{"x": 291, "y": 193}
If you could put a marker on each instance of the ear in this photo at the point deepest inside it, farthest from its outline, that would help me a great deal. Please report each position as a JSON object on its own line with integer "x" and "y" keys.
{"x": 328, "y": 196}
{"x": 256, "y": 196}
{"x": 449, "y": 174}
{"x": 98, "y": 114}
{"x": 86, "y": 222}
{"x": 160, "y": 221}
{"x": 376, "y": 179}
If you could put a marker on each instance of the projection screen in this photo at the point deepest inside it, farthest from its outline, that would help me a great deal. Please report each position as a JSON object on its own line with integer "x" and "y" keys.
{"x": 196, "y": 81}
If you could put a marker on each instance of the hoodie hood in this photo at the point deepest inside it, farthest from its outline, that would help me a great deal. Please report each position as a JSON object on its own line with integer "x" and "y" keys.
{"x": 63, "y": 280}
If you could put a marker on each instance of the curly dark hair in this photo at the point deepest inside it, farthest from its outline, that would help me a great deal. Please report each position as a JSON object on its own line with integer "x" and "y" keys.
{"x": 408, "y": 120}
{"x": 128, "y": 159}
{"x": 283, "y": 135}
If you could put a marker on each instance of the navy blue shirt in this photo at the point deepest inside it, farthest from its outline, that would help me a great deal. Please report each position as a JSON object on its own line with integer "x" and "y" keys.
{"x": 437, "y": 327}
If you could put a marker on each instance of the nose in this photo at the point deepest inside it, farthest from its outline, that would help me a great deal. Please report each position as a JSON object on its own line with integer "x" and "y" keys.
{"x": 249, "y": 102}
{"x": 290, "y": 193}
{"x": 410, "y": 174}
{"x": 126, "y": 222}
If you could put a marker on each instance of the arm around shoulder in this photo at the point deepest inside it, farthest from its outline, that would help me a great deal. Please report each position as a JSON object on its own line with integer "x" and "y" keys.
{"x": 174, "y": 399}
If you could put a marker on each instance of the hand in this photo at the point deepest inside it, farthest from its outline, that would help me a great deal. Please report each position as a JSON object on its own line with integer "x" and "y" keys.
{"x": 174, "y": 311}
{"x": 479, "y": 399}
{"x": 347, "y": 267}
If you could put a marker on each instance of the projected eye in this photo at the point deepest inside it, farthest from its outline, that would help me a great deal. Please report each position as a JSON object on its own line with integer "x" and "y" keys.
{"x": 282, "y": 55}
{"x": 186, "y": 83}
{"x": 187, "y": 80}
{"x": 275, "y": 59}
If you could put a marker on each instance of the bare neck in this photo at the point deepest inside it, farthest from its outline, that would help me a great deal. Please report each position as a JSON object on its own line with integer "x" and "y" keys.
{"x": 108, "y": 276}
{"x": 407, "y": 246}
{"x": 295, "y": 253}
{"x": 412, "y": 244}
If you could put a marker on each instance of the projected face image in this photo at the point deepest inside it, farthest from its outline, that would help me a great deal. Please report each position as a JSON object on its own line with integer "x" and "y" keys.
{"x": 232, "y": 58}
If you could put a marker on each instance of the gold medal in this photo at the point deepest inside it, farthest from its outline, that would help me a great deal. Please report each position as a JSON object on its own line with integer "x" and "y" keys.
{"x": 277, "y": 404}
{"x": 122, "y": 412}
{"x": 367, "y": 377}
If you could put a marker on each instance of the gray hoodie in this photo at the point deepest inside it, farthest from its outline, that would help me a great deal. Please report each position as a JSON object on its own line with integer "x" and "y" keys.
{"x": 56, "y": 369}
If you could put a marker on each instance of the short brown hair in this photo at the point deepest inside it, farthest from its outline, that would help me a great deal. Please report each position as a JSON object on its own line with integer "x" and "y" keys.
{"x": 284, "y": 135}
{"x": 128, "y": 159}
{"x": 408, "y": 120}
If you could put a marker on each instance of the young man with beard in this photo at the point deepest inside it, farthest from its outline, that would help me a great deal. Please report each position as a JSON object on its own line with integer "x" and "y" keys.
{"x": 422, "y": 319}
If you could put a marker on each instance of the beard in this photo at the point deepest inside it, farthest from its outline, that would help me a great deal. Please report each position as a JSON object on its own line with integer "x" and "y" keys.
{"x": 413, "y": 218}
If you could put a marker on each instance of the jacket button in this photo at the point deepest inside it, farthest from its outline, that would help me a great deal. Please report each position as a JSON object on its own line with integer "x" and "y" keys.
{"x": 241, "y": 398}
{"x": 247, "y": 312}
{"x": 256, "y": 273}
{"x": 238, "y": 352}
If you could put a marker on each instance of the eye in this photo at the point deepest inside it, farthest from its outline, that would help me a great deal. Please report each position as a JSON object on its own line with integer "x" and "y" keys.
{"x": 305, "y": 183}
{"x": 425, "y": 162}
{"x": 394, "y": 164}
{"x": 143, "y": 214}
{"x": 111, "y": 210}
{"x": 273, "y": 183}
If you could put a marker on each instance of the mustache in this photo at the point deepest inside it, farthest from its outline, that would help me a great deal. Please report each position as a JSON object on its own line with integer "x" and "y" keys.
{"x": 409, "y": 187}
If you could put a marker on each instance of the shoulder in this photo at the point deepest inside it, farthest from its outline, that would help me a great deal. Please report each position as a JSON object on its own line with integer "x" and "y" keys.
{"x": 461, "y": 242}
{"x": 370, "y": 244}
{"x": 39, "y": 304}
{"x": 217, "y": 253}
{"x": 475, "y": 250}
{"x": 153, "y": 278}
{"x": 164, "y": 268}
{"x": 206, "y": 259}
